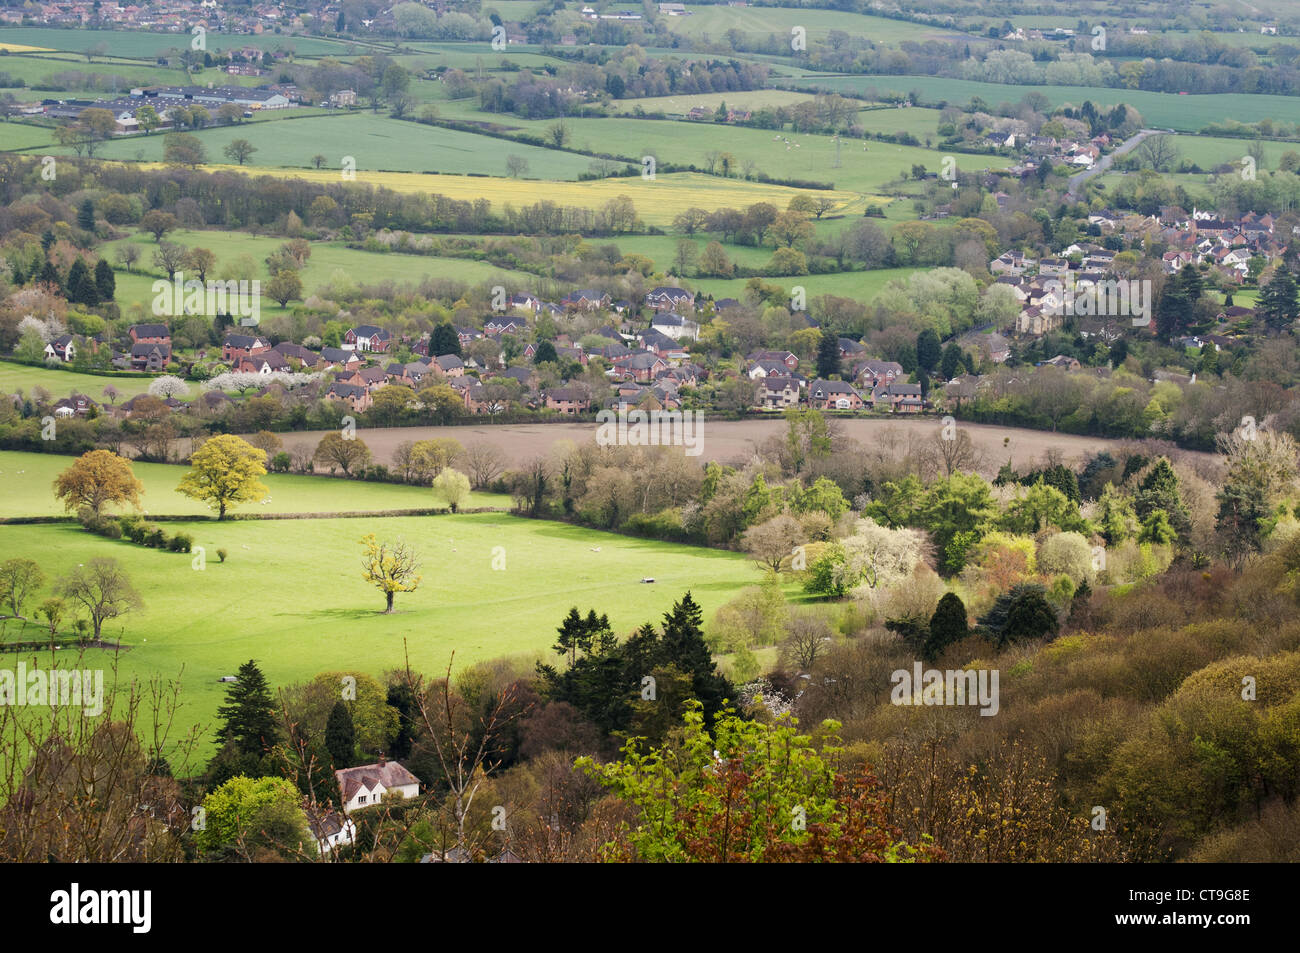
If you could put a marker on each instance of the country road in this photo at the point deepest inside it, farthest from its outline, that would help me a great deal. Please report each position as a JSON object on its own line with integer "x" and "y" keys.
{"x": 1104, "y": 163}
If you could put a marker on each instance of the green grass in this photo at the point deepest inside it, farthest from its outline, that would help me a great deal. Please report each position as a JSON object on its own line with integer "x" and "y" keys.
{"x": 1210, "y": 151}
{"x": 28, "y": 477}
{"x": 1162, "y": 110}
{"x": 376, "y": 142}
{"x": 860, "y": 285}
{"x": 60, "y": 383}
{"x": 759, "y": 22}
{"x": 291, "y": 595}
{"x": 330, "y": 263}
{"x": 752, "y": 99}
{"x": 141, "y": 45}
{"x": 17, "y": 135}
{"x": 917, "y": 121}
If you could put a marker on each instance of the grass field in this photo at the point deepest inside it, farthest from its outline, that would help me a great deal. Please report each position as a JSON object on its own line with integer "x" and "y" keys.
{"x": 17, "y": 135}
{"x": 329, "y": 264}
{"x": 27, "y": 479}
{"x": 1162, "y": 110}
{"x": 860, "y": 285}
{"x": 141, "y": 45}
{"x": 1209, "y": 151}
{"x": 752, "y": 99}
{"x": 375, "y": 141}
{"x": 16, "y": 377}
{"x": 759, "y": 22}
{"x": 657, "y": 201}
{"x": 291, "y": 595}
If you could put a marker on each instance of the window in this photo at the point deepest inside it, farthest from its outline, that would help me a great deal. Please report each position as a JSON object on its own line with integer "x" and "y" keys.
{"x": 361, "y": 799}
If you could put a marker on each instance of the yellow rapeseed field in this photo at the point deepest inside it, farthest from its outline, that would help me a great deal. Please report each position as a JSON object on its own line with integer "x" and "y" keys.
{"x": 657, "y": 201}
{"x": 19, "y": 48}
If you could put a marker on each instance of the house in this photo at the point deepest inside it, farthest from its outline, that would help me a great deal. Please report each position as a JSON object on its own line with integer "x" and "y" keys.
{"x": 356, "y": 397}
{"x": 873, "y": 373}
{"x": 149, "y": 334}
{"x": 366, "y": 785}
{"x": 366, "y": 337}
{"x": 337, "y": 357}
{"x": 669, "y": 299}
{"x": 643, "y": 366}
{"x": 236, "y": 346}
{"x": 62, "y": 347}
{"x": 450, "y": 365}
{"x": 497, "y": 327}
{"x": 762, "y": 369}
{"x": 788, "y": 358}
{"x": 266, "y": 362}
{"x": 777, "y": 393}
{"x": 675, "y": 326}
{"x": 149, "y": 357}
{"x": 834, "y": 395}
{"x": 75, "y": 404}
{"x": 1063, "y": 361}
{"x": 330, "y": 828}
{"x": 585, "y": 300}
{"x": 568, "y": 400}
{"x": 296, "y": 352}
{"x": 525, "y": 302}
{"x": 850, "y": 347}
{"x": 1053, "y": 268}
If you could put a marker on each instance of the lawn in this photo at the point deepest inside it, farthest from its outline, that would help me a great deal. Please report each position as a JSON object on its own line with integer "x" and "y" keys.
{"x": 291, "y": 595}
{"x": 141, "y": 45}
{"x": 859, "y": 285}
{"x": 60, "y": 383}
{"x": 18, "y": 135}
{"x": 1162, "y": 110}
{"x": 375, "y": 142}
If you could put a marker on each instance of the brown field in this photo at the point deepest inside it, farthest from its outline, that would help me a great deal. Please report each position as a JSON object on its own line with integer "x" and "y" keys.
{"x": 734, "y": 441}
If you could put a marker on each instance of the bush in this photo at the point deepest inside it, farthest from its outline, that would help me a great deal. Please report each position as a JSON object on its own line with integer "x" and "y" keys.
{"x": 221, "y": 555}
{"x": 181, "y": 543}
{"x": 156, "y": 538}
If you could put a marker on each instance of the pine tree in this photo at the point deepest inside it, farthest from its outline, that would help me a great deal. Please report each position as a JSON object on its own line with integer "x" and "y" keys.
{"x": 1277, "y": 305}
{"x": 81, "y": 287}
{"x": 828, "y": 355}
{"x": 545, "y": 352}
{"x": 684, "y": 646}
{"x": 340, "y": 736}
{"x": 86, "y": 216}
{"x": 947, "y": 625}
{"x": 248, "y": 716}
{"x": 928, "y": 350}
{"x": 444, "y": 340}
{"x": 105, "y": 280}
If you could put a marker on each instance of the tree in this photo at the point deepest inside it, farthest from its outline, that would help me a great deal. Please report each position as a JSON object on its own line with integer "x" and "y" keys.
{"x": 929, "y": 352}
{"x": 545, "y": 353}
{"x": 96, "y": 479}
{"x": 452, "y": 487}
{"x": 828, "y": 355}
{"x": 103, "y": 589}
{"x": 948, "y": 625}
{"x": 341, "y": 736}
{"x": 105, "y": 280}
{"x": 389, "y": 567}
{"x": 248, "y": 717}
{"x": 484, "y": 461}
{"x": 224, "y": 471}
{"x": 168, "y": 385}
{"x": 1277, "y": 305}
{"x": 239, "y": 150}
{"x": 341, "y": 453}
{"x": 86, "y": 215}
{"x": 201, "y": 261}
{"x": 1157, "y": 152}
{"x": 286, "y": 286}
{"x": 773, "y": 542}
{"x": 158, "y": 223}
{"x": 169, "y": 257}
{"x": 255, "y": 819}
{"x": 19, "y": 578}
{"x": 183, "y": 149}
{"x": 714, "y": 262}
{"x": 1021, "y": 613}
{"x": 516, "y": 166}
{"x": 81, "y": 286}
{"x": 444, "y": 340}
{"x": 52, "y": 610}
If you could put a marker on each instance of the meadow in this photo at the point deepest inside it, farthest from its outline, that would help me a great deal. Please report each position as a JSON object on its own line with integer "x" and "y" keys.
{"x": 61, "y": 383}
{"x": 291, "y": 595}
{"x": 142, "y": 45}
{"x": 710, "y": 23}
{"x": 375, "y": 142}
{"x": 860, "y": 285}
{"x": 1160, "y": 110}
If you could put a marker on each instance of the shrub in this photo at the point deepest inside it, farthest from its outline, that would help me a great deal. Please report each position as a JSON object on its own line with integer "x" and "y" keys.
{"x": 221, "y": 555}
{"x": 181, "y": 543}
{"x": 156, "y": 538}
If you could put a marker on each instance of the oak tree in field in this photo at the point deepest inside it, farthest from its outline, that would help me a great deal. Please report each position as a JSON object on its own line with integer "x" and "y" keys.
{"x": 390, "y": 567}
{"x": 341, "y": 453}
{"x": 102, "y": 588}
{"x": 452, "y": 487}
{"x": 96, "y": 479}
{"x": 224, "y": 471}
{"x": 19, "y": 578}
{"x": 239, "y": 150}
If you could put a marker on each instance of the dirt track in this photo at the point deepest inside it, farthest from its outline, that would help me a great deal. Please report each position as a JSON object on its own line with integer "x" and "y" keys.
{"x": 731, "y": 441}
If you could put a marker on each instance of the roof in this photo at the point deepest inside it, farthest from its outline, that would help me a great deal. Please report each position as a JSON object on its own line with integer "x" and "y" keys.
{"x": 370, "y": 331}
{"x": 150, "y": 330}
{"x": 242, "y": 340}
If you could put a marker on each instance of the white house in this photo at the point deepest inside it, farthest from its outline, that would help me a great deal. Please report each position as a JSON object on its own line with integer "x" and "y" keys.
{"x": 675, "y": 326}
{"x": 331, "y": 829}
{"x": 366, "y": 785}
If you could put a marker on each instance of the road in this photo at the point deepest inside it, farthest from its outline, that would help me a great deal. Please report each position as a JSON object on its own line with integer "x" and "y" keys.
{"x": 1104, "y": 163}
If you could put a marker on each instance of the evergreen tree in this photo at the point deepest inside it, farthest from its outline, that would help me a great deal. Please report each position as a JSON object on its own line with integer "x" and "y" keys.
{"x": 947, "y": 626}
{"x": 1277, "y": 305}
{"x": 105, "y": 280}
{"x": 1159, "y": 491}
{"x": 684, "y": 646}
{"x": 248, "y": 716}
{"x": 86, "y": 216}
{"x": 1172, "y": 311}
{"x": 402, "y": 700}
{"x": 444, "y": 340}
{"x": 81, "y": 286}
{"x": 545, "y": 352}
{"x": 49, "y": 275}
{"x": 340, "y": 736}
{"x": 951, "y": 365}
{"x": 929, "y": 352}
{"x": 828, "y": 355}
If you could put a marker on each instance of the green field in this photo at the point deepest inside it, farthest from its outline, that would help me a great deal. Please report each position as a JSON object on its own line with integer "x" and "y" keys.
{"x": 330, "y": 263}
{"x": 712, "y": 22}
{"x": 291, "y": 595}
{"x": 860, "y": 285}
{"x": 27, "y": 479}
{"x": 752, "y": 99}
{"x": 60, "y": 383}
{"x": 17, "y": 135}
{"x": 1162, "y": 110}
{"x": 376, "y": 142}
{"x": 141, "y": 45}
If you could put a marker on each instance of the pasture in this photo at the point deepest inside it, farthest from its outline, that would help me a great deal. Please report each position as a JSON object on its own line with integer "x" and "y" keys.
{"x": 61, "y": 383}
{"x": 292, "y": 596}
{"x": 710, "y": 23}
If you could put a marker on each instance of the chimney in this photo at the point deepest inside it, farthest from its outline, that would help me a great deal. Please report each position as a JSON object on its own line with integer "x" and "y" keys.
{"x": 382, "y": 760}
